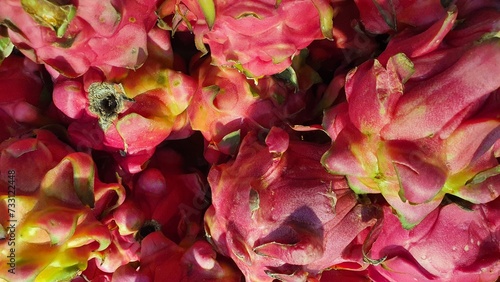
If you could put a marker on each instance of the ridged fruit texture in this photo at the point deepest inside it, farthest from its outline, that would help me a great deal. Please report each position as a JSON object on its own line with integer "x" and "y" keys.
{"x": 256, "y": 141}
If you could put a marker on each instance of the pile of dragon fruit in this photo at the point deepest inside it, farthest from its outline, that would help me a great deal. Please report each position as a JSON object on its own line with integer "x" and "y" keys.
{"x": 218, "y": 140}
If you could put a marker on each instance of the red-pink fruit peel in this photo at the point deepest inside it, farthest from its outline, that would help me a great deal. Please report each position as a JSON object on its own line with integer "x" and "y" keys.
{"x": 80, "y": 39}
{"x": 388, "y": 16}
{"x": 420, "y": 44}
{"x": 419, "y": 113}
{"x": 227, "y": 105}
{"x": 268, "y": 238}
{"x": 18, "y": 155}
{"x": 153, "y": 99}
{"x": 23, "y": 95}
{"x": 258, "y": 38}
{"x": 160, "y": 256}
{"x": 60, "y": 233}
{"x": 426, "y": 251}
{"x": 372, "y": 108}
{"x": 420, "y": 176}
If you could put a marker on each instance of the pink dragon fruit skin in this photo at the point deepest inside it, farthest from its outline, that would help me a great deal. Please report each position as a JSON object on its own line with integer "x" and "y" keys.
{"x": 23, "y": 90}
{"x": 345, "y": 275}
{"x": 467, "y": 8}
{"x": 226, "y": 106}
{"x": 394, "y": 137}
{"x": 420, "y": 102}
{"x": 102, "y": 110}
{"x": 9, "y": 127}
{"x": 385, "y": 16}
{"x": 479, "y": 24}
{"x": 93, "y": 273}
{"x": 451, "y": 244}
{"x": 16, "y": 153}
{"x": 169, "y": 200}
{"x": 414, "y": 176}
{"x": 162, "y": 258}
{"x": 73, "y": 37}
{"x": 350, "y": 44}
{"x": 257, "y": 37}
{"x": 278, "y": 214}
{"x": 57, "y": 231}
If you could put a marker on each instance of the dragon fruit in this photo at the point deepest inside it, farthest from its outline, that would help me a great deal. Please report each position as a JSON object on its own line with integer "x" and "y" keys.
{"x": 394, "y": 136}
{"x": 72, "y": 36}
{"x": 25, "y": 100}
{"x": 466, "y": 8}
{"x": 257, "y": 37}
{"x": 227, "y": 105}
{"x": 284, "y": 140}
{"x": 351, "y": 43}
{"x": 429, "y": 253}
{"x": 385, "y": 16}
{"x": 93, "y": 273}
{"x": 55, "y": 230}
{"x": 17, "y": 152}
{"x": 345, "y": 275}
{"x": 162, "y": 258}
{"x": 479, "y": 24}
{"x": 278, "y": 214}
{"x": 105, "y": 113}
{"x": 24, "y": 97}
{"x": 9, "y": 127}
{"x": 168, "y": 200}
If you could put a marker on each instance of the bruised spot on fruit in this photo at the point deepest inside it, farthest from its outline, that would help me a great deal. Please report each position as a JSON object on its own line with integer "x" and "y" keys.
{"x": 106, "y": 101}
{"x": 147, "y": 228}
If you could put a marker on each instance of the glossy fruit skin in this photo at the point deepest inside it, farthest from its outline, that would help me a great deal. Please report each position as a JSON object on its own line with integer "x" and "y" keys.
{"x": 394, "y": 137}
{"x": 106, "y": 112}
{"x": 278, "y": 214}
{"x": 426, "y": 253}
{"x": 258, "y": 38}
{"x": 56, "y": 228}
{"x": 71, "y": 38}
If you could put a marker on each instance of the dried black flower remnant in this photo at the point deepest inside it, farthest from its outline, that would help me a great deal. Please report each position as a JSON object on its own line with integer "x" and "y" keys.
{"x": 147, "y": 228}
{"x": 106, "y": 101}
